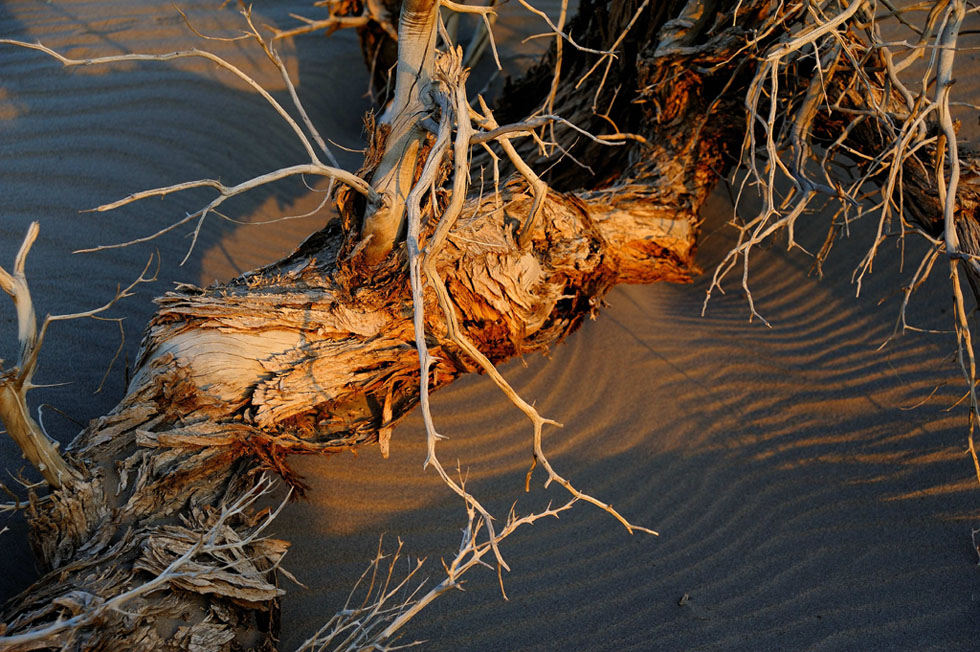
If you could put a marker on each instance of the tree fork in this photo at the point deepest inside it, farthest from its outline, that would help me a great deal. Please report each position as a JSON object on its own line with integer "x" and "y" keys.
{"x": 157, "y": 544}
{"x": 403, "y": 134}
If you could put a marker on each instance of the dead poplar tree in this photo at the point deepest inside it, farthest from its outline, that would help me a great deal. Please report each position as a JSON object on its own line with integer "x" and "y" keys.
{"x": 149, "y": 534}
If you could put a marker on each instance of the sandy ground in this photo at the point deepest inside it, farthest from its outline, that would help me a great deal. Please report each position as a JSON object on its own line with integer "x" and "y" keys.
{"x": 810, "y": 491}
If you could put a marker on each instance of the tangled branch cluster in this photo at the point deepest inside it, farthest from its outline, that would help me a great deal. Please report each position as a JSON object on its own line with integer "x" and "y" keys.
{"x": 856, "y": 121}
{"x": 861, "y": 92}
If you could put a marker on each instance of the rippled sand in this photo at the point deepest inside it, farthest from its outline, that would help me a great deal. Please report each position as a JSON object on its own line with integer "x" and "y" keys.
{"x": 810, "y": 491}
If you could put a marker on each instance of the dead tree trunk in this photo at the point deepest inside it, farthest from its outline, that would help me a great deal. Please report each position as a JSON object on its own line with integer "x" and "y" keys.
{"x": 156, "y": 545}
{"x": 294, "y": 358}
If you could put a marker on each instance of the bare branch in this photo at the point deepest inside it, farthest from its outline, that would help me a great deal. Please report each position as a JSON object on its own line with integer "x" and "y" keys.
{"x": 315, "y": 167}
{"x": 40, "y": 450}
{"x": 225, "y": 193}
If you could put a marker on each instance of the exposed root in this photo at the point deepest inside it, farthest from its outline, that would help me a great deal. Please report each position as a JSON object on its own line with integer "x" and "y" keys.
{"x": 866, "y": 116}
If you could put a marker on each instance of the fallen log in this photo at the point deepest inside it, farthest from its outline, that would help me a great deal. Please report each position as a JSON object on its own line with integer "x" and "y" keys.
{"x": 153, "y": 541}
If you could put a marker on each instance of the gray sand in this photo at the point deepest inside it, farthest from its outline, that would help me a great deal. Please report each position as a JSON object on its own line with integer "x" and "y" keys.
{"x": 802, "y": 504}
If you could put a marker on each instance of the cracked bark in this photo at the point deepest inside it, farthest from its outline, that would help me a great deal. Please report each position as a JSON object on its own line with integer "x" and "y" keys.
{"x": 315, "y": 353}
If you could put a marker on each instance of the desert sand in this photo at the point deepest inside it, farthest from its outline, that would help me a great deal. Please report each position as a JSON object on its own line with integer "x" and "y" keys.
{"x": 811, "y": 489}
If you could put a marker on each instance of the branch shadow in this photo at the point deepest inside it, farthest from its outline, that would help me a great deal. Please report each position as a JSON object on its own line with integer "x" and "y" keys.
{"x": 72, "y": 139}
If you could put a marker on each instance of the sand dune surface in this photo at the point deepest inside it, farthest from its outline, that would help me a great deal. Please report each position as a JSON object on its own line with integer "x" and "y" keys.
{"x": 811, "y": 489}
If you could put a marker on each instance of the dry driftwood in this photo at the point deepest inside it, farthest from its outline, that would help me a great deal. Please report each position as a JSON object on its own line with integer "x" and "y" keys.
{"x": 301, "y": 357}
{"x": 153, "y": 540}
{"x": 307, "y": 355}
{"x": 294, "y": 358}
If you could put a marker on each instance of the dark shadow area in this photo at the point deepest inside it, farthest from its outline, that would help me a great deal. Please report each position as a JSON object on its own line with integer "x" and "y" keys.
{"x": 74, "y": 138}
{"x": 811, "y": 491}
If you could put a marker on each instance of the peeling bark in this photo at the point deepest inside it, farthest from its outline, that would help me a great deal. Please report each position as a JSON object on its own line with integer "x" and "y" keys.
{"x": 294, "y": 358}
{"x": 316, "y": 353}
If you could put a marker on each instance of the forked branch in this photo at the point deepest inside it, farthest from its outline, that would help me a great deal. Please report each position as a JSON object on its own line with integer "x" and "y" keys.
{"x": 39, "y": 449}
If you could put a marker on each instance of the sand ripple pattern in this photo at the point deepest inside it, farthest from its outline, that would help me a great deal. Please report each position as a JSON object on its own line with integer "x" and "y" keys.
{"x": 801, "y": 505}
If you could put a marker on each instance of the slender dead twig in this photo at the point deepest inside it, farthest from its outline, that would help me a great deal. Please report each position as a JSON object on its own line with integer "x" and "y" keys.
{"x": 315, "y": 167}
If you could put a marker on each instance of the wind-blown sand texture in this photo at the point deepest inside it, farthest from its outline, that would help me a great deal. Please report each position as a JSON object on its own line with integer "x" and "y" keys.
{"x": 810, "y": 489}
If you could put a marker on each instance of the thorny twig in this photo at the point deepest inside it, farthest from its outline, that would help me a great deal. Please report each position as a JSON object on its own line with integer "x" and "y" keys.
{"x": 452, "y": 100}
{"x": 389, "y": 604}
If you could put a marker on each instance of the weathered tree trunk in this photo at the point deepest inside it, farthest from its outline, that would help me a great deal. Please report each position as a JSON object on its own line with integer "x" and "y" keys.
{"x": 316, "y": 353}
{"x": 309, "y": 355}
{"x": 293, "y": 358}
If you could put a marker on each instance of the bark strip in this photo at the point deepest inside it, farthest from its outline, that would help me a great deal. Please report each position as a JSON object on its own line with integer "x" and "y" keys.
{"x": 158, "y": 544}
